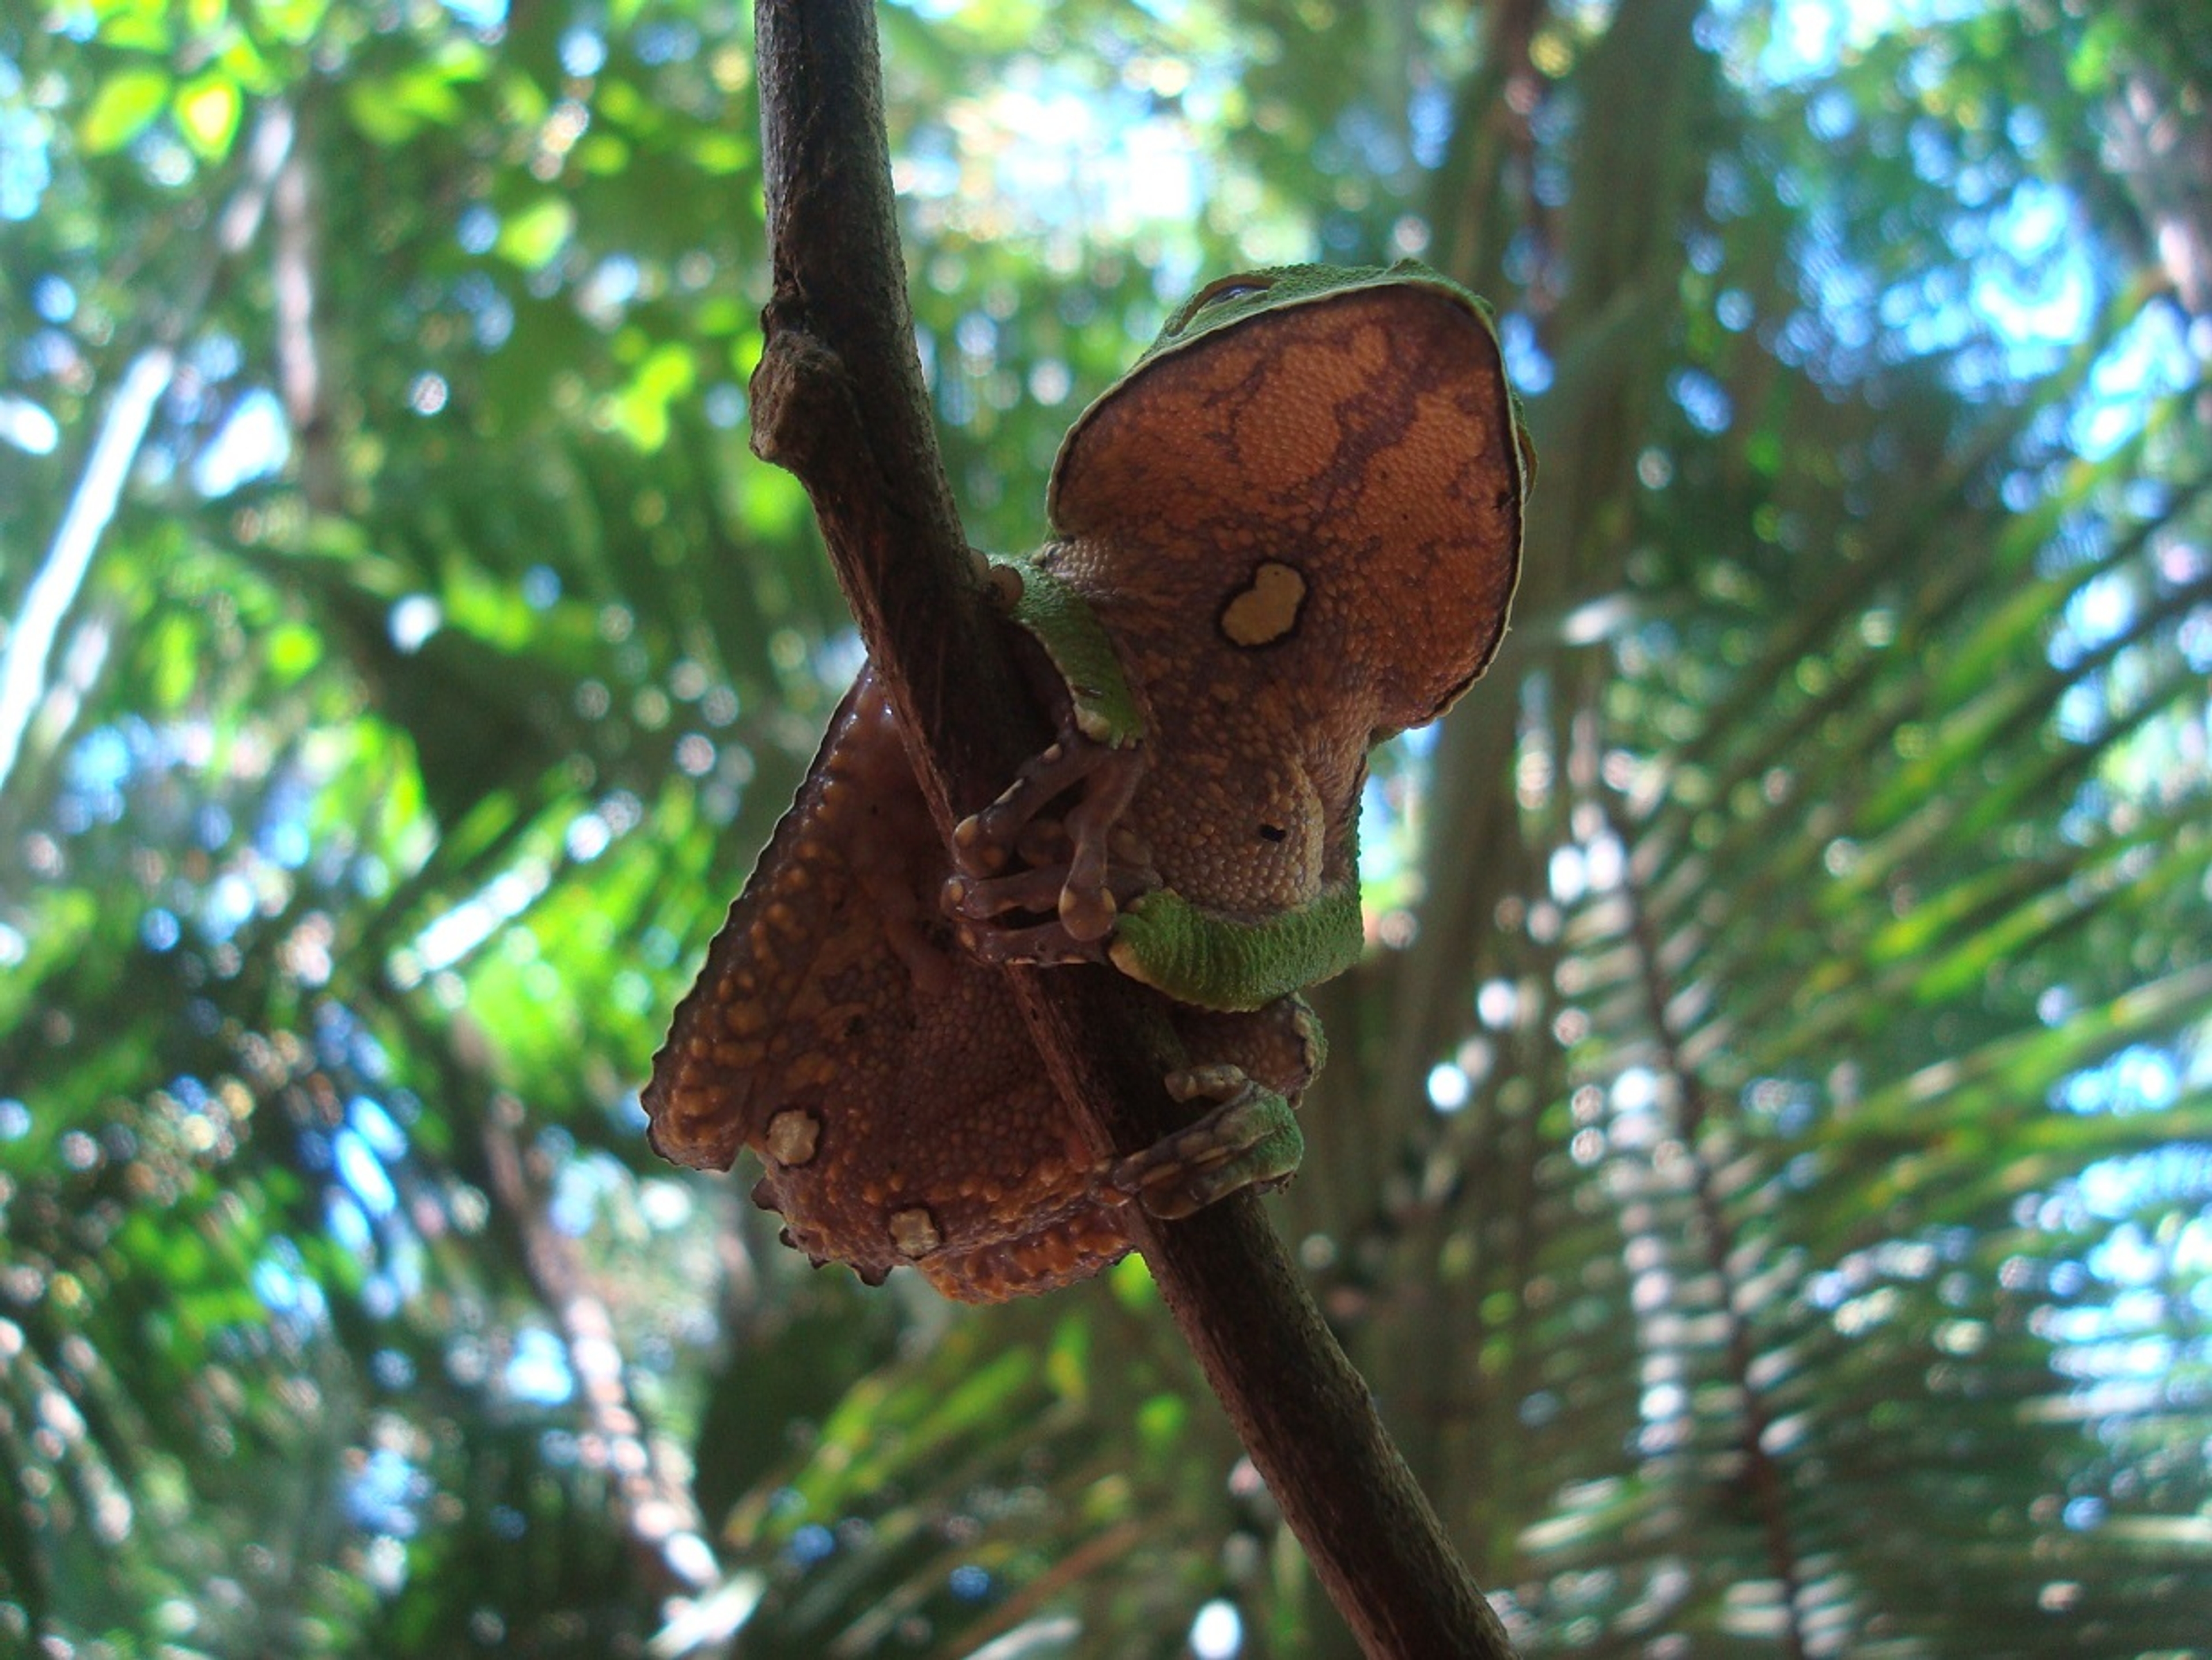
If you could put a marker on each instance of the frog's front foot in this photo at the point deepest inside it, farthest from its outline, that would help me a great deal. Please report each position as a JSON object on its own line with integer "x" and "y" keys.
{"x": 1249, "y": 1139}
{"x": 1015, "y": 859}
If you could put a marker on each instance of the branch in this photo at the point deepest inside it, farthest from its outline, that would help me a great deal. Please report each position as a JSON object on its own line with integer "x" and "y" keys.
{"x": 840, "y": 343}
{"x": 295, "y": 268}
{"x": 99, "y": 491}
{"x": 651, "y": 1498}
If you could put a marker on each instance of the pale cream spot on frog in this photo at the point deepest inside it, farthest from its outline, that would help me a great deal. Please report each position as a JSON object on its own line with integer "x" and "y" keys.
{"x": 914, "y": 1231}
{"x": 1268, "y": 607}
{"x": 793, "y": 1135}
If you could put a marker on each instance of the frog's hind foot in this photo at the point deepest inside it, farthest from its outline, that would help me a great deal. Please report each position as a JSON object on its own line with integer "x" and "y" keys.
{"x": 1250, "y": 1139}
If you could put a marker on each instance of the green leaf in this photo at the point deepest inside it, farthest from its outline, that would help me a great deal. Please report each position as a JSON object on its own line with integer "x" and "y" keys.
{"x": 639, "y": 410}
{"x": 294, "y": 21}
{"x": 722, "y": 152}
{"x": 604, "y": 154}
{"x": 427, "y": 89}
{"x": 207, "y": 114}
{"x": 382, "y": 119}
{"x": 125, "y": 104}
{"x": 138, "y": 25}
{"x": 1160, "y": 1422}
{"x": 531, "y": 237}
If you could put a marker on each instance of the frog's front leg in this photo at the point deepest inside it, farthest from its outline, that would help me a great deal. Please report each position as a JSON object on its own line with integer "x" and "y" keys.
{"x": 1081, "y": 866}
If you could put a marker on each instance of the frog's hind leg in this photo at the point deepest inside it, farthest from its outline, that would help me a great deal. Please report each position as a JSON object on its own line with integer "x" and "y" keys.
{"x": 1256, "y": 1065}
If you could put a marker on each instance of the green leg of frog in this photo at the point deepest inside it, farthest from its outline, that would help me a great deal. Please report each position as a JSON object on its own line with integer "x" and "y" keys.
{"x": 1250, "y": 1139}
{"x": 1254, "y": 1065}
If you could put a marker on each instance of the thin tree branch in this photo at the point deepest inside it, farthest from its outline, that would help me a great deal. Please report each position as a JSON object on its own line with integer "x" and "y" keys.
{"x": 651, "y": 1496}
{"x": 295, "y": 266}
{"x": 839, "y": 400}
{"x": 100, "y": 487}
{"x": 54, "y": 589}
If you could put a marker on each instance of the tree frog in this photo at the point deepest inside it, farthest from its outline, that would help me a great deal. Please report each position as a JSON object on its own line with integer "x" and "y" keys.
{"x": 1290, "y": 530}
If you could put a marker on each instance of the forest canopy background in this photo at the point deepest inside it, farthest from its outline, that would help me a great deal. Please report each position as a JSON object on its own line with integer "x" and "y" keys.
{"x": 1763, "y": 1164}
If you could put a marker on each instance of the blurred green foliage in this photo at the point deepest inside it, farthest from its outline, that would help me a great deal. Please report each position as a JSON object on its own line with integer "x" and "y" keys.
{"x": 1764, "y": 1167}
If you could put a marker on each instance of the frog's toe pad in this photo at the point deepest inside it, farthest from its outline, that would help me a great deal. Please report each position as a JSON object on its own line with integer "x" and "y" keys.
{"x": 1249, "y": 1139}
{"x": 983, "y": 898}
{"x": 986, "y": 841}
{"x": 1099, "y": 858}
{"x": 1047, "y": 944}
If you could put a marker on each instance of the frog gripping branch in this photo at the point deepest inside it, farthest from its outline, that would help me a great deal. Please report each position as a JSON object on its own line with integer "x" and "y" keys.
{"x": 1293, "y": 529}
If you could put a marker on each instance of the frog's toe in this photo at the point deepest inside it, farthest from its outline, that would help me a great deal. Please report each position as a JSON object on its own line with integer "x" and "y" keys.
{"x": 1249, "y": 1141}
{"x": 1220, "y": 1081}
{"x": 985, "y": 841}
{"x": 1044, "y": 843}
{"x": 1045, "y": 944}
{"x": 1045, "y": 885}
{"x": 1087, "y": 912}
{"x": 985, "y": 898}
{"x": 975, "y": 851}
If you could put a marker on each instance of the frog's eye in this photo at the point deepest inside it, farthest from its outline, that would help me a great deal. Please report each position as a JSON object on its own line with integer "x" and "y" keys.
{"x": 1219, "y": 293}
{"x": 1226, "y": 289}
{"x": 1231, "y": 289}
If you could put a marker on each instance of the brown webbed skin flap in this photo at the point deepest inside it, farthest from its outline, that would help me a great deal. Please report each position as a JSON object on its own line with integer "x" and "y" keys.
{"x": 887, "y": 1083}
{"x": 885, "y": 1079}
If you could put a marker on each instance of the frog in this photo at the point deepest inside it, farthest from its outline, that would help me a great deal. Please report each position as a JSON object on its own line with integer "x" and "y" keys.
{"x": 1289, "y": 531}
